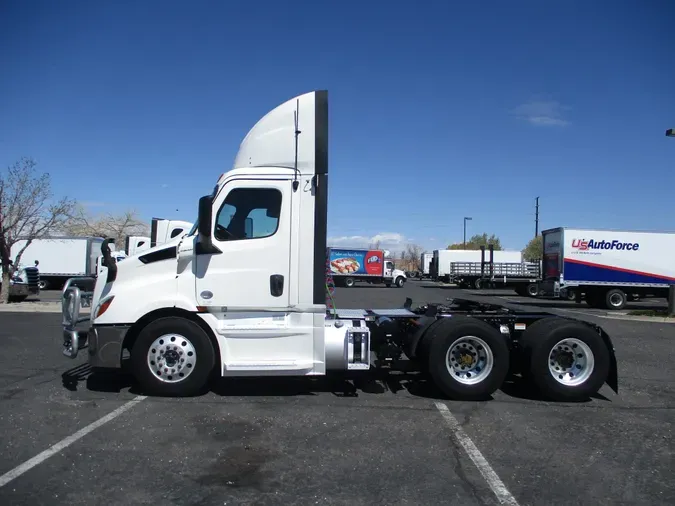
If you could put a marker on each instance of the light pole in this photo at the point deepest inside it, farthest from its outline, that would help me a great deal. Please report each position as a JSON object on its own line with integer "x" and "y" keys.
{"x": 671, "y": 289}
{"x": 466, "y": 218}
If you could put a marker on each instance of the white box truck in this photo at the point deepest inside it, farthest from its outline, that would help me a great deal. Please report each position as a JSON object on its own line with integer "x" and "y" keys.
{"x": 607, "y": 266}
{"x": 61, "y": 258}
{"x": 425, "y": 264}
{"x": 235, "y": 303}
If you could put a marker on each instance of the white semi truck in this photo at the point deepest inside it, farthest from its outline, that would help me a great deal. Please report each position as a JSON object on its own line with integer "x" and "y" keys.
{"x": 251, "y": 298}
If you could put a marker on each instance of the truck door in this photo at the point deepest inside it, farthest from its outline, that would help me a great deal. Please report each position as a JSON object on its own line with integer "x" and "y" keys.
{"x": 252, "y": 229}
{"x": 388, "y": 268}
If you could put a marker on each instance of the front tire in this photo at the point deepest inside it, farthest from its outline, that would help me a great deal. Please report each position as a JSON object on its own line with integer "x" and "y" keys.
{"x": 172, "y": 356}
{"x": 349, "y": 282}
{"x": 400, "y": 281}
{"x": 467, "y": 358}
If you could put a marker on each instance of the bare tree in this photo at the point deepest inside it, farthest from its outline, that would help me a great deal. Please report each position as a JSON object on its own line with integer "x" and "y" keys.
{"x": 413, "y": 254}
{"x": 118, "y": 227}
{"x": 28, "y": 212}
{"x": 374, "y": 245}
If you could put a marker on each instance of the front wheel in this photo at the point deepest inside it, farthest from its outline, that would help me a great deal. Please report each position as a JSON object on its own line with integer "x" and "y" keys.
{"x": 467, "y": 358}
{"x": 172, "y": 356}
{"x": 400, "y": 281}
{"x": 349, "y": 282}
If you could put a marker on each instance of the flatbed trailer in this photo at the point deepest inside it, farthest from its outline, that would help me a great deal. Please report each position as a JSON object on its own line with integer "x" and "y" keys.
{"x": 523, "y": 277}
{"x": 219, "y": 300}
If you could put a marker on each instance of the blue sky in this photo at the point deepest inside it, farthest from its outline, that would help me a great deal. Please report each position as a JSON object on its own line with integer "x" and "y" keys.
{"x": 438, "y": 110}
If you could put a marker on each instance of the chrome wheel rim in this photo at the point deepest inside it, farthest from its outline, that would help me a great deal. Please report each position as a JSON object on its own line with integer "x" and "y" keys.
{"x": 469, "y": 360}
{"x": 172, "y": 358}
{"x": 616, "y": 299}
{"x": 571, "y": 362}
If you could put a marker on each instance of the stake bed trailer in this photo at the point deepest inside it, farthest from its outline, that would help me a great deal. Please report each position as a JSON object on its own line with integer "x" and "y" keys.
{"x": 522, "y": 276}
{"x": 222, "y": 300}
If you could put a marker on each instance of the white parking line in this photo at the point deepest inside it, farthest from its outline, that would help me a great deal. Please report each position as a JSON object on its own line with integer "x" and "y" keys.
{"x": 53, "y": 450}
{"x": 458, "y": 434}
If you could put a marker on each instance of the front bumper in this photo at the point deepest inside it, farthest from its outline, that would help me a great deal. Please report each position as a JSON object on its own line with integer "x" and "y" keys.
{"x": 103, "y": 342}
{"x": 23, "y": 289}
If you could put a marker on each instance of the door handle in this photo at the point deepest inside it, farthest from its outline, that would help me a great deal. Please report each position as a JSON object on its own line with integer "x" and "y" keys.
{"x": 276, "y": 285}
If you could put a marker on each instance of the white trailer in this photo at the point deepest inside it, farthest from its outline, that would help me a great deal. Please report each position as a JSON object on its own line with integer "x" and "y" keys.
{"x": 161, "y": 231}
{"x": 244, "y": 299}
{"x": 61, "y": 258}
{"x": 607, "y": 267}
{"x": 425, "y": 264}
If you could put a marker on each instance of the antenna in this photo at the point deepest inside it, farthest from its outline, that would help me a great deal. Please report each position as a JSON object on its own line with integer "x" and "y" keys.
{"x": 296, "y": 115}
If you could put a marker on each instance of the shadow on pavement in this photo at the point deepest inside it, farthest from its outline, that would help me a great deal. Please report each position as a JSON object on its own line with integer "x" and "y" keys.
{"x": 340, "y": 385}
{"x": 519, "y": 388}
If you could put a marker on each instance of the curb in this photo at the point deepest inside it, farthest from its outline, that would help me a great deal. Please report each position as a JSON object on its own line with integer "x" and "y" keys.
{"x": 652, "y": 319}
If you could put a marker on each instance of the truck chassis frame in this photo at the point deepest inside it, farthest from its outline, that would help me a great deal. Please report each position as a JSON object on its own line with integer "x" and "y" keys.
{"x": 453, "y": 343}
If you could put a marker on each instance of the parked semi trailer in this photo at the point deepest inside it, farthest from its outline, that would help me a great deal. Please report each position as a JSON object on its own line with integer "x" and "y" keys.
{"x": 608, "y": 267}
{"x": 259, "y": 306}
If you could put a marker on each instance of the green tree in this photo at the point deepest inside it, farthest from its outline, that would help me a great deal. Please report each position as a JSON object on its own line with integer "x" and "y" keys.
{"x": 479, "y": 240}
{"x": 534, "y": 250}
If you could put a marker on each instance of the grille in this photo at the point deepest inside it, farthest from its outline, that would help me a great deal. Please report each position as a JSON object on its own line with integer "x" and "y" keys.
{"x": 33, "y": 276}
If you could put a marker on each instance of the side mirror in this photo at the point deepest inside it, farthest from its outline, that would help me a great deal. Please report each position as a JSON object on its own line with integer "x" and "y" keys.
{"x": 204, "y": 244}
{"x": 204, "y": 216}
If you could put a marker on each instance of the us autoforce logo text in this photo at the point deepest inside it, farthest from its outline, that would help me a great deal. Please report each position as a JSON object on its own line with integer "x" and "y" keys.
{"x": 584, "y": 245}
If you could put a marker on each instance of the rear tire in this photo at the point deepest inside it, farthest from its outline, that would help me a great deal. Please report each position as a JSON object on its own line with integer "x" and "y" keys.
{"x": 172, "y": 356}
{"x": 349, "y": 282}
{"x": 532, "y": 290}
{"x": 468, "y": 359}
{"x": 615, "y": 299}
{"x": 568, "y": 360}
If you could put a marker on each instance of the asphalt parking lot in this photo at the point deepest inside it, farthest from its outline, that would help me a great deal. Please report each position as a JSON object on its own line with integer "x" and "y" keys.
{"x": 301, "y": 441}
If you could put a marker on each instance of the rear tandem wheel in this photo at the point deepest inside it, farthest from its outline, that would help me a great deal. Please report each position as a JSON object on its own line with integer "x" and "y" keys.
{"x": 467, "y": 358}
{"x": 565, "y": 359}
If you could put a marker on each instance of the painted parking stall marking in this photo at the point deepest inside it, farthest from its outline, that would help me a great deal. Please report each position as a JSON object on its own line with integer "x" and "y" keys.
{"x": 458, "y": 434}
{"x": 64, "y": 443}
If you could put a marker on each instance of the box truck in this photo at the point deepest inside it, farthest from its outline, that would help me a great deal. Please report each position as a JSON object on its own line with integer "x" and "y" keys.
{"x": 425, "y": 264}
{"x": 607, "y": 266}
{"x": 224, "y": 301}
{"x": 349, "y": 266}
{"x": 61, "y": 258}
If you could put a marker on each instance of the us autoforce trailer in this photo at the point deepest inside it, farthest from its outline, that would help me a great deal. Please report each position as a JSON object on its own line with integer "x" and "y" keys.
{"x": 608, "y": 267}
{"x": 523, "y": 277}
{"x": 258, "y": 305}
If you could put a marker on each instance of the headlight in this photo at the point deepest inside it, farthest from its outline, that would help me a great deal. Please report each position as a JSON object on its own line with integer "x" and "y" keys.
{"x": 103, "y": 306}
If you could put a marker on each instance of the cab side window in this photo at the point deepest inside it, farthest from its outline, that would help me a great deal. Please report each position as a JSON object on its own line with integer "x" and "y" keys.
{"x": 248, "y": 213}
